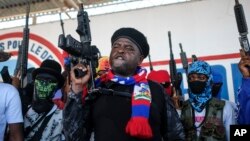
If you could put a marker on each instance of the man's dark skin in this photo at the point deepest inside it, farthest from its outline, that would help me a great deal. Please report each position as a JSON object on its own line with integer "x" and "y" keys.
{"x": 127, "y": 54}
{"x": 15, "y": 130}
{"x": 124, "y": 58}
{"x": 245, "y": 61}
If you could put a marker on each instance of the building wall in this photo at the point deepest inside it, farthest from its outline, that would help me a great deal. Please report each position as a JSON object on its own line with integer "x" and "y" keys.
{"x": 206, "y": 28}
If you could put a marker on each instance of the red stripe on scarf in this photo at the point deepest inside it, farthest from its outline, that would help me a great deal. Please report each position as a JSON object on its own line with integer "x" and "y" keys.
{"x": 141, "y": 102}
{"x": 137, "y": 126}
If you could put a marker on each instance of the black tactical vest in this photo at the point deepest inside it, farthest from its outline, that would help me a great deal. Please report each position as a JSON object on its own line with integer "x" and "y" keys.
{"x": 212, "y": 128}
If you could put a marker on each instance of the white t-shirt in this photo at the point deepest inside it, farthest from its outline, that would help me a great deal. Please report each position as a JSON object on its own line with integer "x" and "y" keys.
{"x": 228, "y": 118}
{"x": 10, "y": 107}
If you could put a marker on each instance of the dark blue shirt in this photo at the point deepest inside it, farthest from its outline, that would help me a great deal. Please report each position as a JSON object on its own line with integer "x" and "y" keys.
{"x": 244, "y": 102}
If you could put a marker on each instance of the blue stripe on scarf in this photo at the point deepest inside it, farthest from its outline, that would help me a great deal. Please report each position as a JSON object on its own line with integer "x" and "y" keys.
{"x": 124, "y": 80}
{"x": 140, "y": 110}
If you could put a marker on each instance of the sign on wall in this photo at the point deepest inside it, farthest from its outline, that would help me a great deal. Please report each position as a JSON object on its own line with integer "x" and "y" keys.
{"x": 39, "y": 50}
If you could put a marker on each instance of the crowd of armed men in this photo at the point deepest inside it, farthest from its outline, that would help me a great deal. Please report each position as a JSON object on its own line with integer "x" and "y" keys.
{"x": 121, "y": 101}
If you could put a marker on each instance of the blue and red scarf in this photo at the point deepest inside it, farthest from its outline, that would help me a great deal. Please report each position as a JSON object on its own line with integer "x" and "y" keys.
{"x": 138, "y": 125}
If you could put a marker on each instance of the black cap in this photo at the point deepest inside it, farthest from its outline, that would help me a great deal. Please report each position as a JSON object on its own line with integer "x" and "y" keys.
{"x": 135, "y": 36}
{"x": 51, "y": 67}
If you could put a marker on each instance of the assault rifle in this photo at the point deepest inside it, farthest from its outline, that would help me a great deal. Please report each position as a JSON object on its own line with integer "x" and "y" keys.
{"x": 176, "y": 78}
{"x": 81, "y": 52}
{"x": 242, "y": 27}
{"x": 22, "y": 59}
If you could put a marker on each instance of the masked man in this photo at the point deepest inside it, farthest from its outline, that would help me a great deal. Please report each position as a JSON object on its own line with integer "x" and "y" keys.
{"x": 204, "y": 117}
{"x": 162, "y": 77}
{"x": 43, "y": 121}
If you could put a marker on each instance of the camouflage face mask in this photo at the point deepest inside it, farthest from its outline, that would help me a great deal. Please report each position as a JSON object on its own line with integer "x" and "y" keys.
{"x": 44, "y": 88}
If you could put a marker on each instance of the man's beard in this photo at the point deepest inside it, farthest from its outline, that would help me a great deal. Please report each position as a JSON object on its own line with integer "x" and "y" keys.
{"x": 123, "y": 69}
{"x": 119, "y": 70}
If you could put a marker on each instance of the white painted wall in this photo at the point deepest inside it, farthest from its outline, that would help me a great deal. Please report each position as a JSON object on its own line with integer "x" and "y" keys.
{"x": 205, "y": 28}
{"x": 198, "y": 25}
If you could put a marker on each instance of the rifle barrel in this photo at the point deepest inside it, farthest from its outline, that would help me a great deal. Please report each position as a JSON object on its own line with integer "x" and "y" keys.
{"x": 25, "y": 47}
{"x": 242, "y": 26}
{"x": 62, "y": 24}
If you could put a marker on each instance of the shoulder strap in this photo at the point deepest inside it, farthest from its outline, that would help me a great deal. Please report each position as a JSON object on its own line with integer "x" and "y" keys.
{"x": 37, "y": 136}
{"x": 34, "y": 125}
{"x": 107, "y": 89}
{"x": 112, "y": 92}
{"x": 103, "y": 91}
